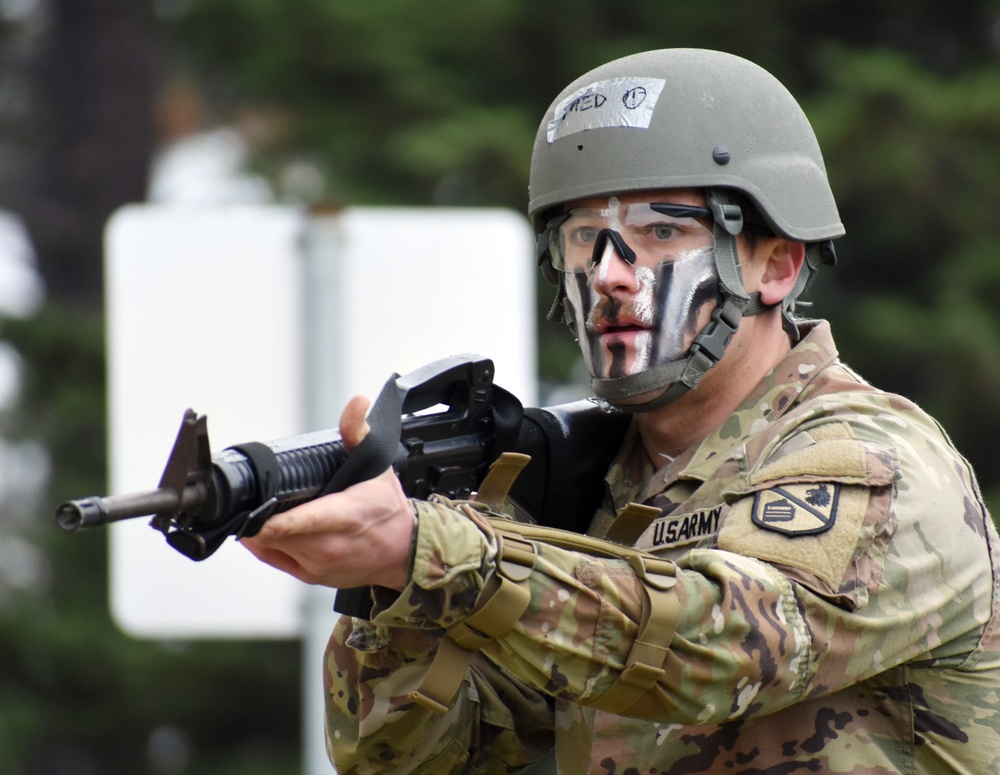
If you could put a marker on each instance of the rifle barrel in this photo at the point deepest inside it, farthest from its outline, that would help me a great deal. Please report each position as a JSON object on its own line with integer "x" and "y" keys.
{"x": 96, "y": 511}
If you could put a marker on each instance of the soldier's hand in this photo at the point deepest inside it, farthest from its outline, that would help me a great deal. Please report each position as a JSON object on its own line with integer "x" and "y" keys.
{"x": 347, "y": 539}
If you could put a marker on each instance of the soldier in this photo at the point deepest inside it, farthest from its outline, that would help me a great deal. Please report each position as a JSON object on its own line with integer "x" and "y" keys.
{"x": 792, "y": 571}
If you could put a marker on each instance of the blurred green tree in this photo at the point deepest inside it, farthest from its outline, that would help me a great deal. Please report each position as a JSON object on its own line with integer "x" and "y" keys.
{"x": 913, "y": 158}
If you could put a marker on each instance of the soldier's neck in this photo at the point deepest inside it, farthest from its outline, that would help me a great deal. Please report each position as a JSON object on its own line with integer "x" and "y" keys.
{"x": 754, "y": 351}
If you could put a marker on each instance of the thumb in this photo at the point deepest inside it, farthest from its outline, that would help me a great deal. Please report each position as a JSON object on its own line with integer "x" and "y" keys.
{"x": 353, "y": 423}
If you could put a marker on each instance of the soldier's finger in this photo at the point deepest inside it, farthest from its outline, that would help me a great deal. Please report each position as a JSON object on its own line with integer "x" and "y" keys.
{"x": 353, "y": 423}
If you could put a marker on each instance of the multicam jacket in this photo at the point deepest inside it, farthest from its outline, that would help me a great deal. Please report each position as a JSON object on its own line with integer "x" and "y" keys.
{"x": 837, "y": 588}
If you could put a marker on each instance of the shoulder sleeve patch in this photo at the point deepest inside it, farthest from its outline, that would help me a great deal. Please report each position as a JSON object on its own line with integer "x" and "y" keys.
{"x": 814, "y": 527}
{"x": 805, "y": 505}
{"x": 797, "y": 509}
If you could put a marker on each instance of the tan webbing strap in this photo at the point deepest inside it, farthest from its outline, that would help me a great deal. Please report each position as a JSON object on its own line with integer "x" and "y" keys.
{"x": 442, "y": 679}
{"x": 644, "y": 665}
{"x": 500, "y": 478}
{"x": 631, "y": 522}
{"x": 501, "y": 603}
{"x": 567, "y": 539}
{"x": 494, "y": 617}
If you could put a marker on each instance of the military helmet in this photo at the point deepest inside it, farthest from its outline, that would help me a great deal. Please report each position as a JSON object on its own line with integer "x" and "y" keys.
{"x": 685, "y": 118}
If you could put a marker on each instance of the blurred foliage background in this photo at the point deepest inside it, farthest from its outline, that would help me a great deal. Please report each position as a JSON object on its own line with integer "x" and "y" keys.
{"x": 334, "y": 102}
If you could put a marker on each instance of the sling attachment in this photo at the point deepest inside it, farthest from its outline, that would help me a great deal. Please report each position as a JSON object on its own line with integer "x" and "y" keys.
{"x": 631, "y": 522}
{"x": 500, "y": 478}
{"x": 267, "y": 469}
{"x": 502, "y": 602}
{"x": 644, "y": 665}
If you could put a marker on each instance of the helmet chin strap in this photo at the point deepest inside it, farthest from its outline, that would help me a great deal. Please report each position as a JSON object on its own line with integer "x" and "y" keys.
{"x": 676, "y": 378}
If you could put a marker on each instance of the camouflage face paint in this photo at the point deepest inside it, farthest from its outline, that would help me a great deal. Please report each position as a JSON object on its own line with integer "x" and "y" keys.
{"x": 655, "y": 326}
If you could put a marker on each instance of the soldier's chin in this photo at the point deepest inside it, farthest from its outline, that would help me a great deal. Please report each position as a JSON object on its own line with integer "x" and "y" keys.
{"x": 636, "y": 399}
{"x": 617, "y": 359}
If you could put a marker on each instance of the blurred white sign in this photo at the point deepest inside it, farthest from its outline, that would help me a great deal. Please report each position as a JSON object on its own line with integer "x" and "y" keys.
{"x": 267, "y": 319}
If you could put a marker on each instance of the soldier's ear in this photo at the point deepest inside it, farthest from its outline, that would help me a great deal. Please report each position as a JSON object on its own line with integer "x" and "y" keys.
{"x": 782, "y": 264}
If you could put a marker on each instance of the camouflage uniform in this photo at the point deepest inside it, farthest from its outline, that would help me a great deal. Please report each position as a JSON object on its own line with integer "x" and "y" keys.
{"x": 839, "y": 610}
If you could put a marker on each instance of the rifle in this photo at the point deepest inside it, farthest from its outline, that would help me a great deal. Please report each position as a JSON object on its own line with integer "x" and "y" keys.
{"x": 439, "y": 427}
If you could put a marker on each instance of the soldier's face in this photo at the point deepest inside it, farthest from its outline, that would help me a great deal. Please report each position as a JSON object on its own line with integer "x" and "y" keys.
{"x": 640, "y": 277}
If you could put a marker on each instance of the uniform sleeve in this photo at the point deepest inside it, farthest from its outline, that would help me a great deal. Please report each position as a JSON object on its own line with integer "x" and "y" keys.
{"x": 495, "y": 724}
{"x": 748, "y": 636}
